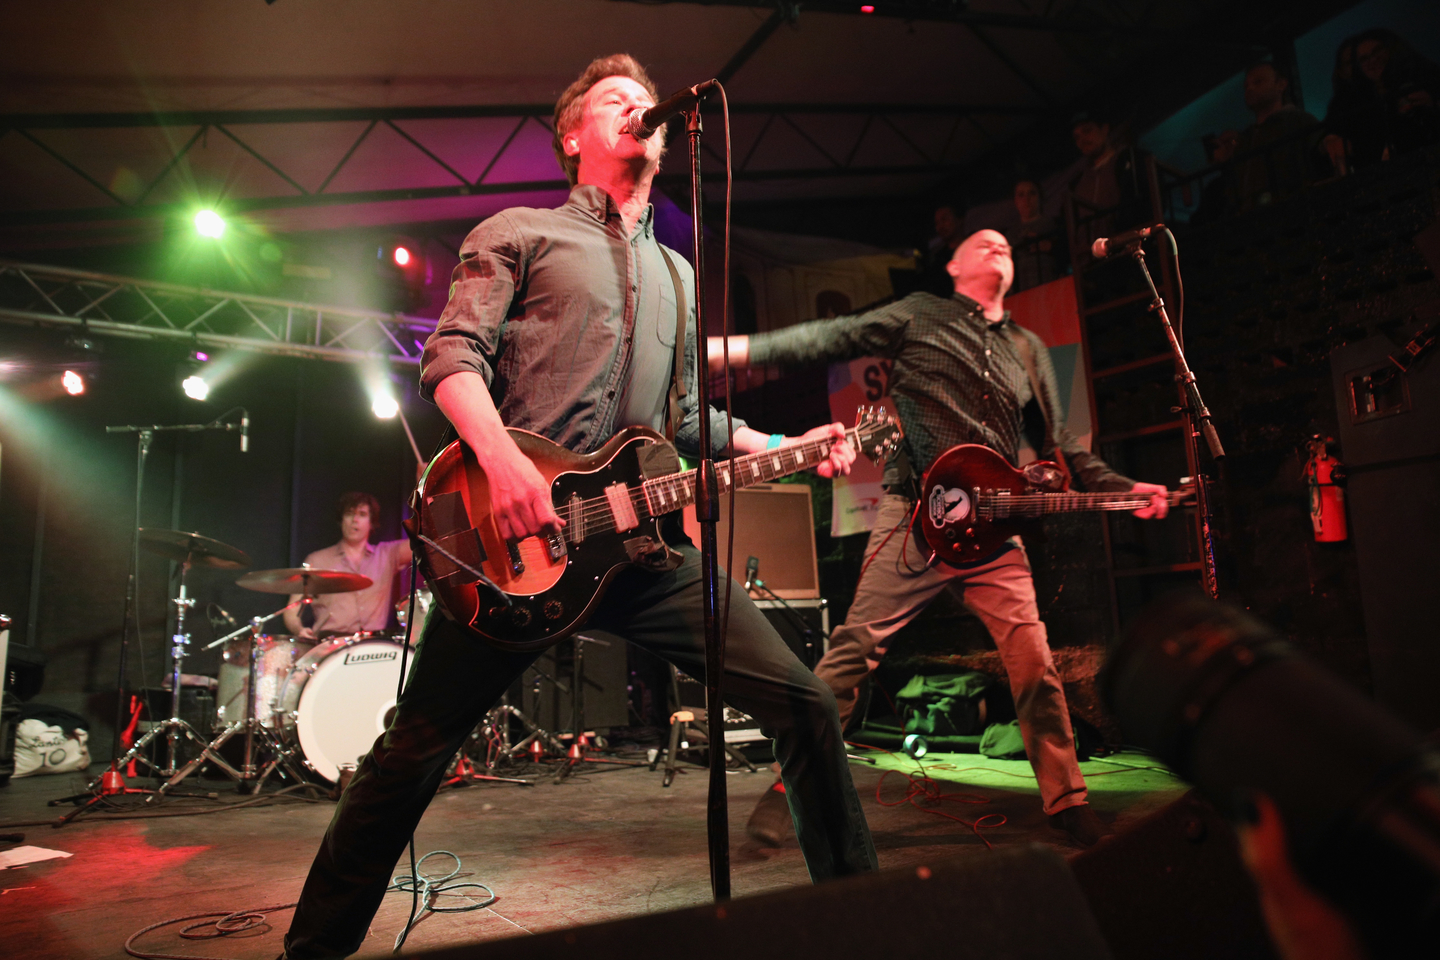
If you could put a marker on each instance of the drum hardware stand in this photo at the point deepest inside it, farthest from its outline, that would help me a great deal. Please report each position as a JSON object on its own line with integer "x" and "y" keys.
{"x": 112, "y": 782}
{"x": 580, "y": 751}
{"x": 282, "y": 757}
{"x": 537, "y": 739}
{"x": 173, "y": 728}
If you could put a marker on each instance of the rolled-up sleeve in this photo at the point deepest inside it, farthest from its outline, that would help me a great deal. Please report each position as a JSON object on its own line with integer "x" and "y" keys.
{"x": 482, "y": 288}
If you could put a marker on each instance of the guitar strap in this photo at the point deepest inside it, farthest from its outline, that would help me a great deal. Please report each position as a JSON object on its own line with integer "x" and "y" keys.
{"x": 677, "y": 380}
{"x": 1028, "y": 356}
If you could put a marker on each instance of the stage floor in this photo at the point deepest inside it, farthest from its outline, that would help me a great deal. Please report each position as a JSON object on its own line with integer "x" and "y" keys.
{"x": 608, "y": 843}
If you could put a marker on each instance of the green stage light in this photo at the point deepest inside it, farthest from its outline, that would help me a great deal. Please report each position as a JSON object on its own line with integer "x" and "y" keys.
{"x": 208, "y": 223}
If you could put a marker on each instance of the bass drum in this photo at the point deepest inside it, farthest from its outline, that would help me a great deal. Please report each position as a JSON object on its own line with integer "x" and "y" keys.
{"x": 338, "y": 699}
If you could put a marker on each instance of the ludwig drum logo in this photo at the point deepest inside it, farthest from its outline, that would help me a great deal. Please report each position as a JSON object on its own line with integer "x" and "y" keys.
{"x": 378, "y": 656}
{"x": 947, "y": 505}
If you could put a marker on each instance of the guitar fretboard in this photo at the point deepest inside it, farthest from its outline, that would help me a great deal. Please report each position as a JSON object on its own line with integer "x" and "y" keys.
{"x": 993, "y": 506}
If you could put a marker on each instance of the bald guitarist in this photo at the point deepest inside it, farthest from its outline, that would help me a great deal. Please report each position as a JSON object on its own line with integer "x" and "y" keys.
{"x": 963, "y": 373}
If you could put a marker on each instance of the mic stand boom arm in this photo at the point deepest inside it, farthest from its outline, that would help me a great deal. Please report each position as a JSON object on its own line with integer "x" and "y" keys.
{"x": 1198, "y": 423}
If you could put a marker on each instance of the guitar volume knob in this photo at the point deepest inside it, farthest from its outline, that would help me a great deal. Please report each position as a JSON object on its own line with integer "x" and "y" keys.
{"x": 554, "y": 609}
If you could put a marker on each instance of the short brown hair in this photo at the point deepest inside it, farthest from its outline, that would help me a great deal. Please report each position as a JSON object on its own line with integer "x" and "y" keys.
{"x": 572, "y": 101}
{"x": 354, "y": 500}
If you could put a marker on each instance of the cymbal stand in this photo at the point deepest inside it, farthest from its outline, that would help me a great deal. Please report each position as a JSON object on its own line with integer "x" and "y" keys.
{"x": 537, "y": 739}
{"x": 174, "y": 728}
{"x": 282, "y": 757}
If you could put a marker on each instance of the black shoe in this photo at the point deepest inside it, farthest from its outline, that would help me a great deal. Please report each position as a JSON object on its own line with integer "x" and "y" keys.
{"x": 1081, "y": 823}
{"x": 770, "y": 822}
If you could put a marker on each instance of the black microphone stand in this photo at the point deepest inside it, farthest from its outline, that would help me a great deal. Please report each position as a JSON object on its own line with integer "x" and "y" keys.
{"x": 707, "y": 513}
{"x": 113, "y": 782}
{"x": 1198, "y": 423}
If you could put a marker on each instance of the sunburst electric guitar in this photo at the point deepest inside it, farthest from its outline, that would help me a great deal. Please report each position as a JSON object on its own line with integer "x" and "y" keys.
{"x": 525, "y": 595}
{"x": 972, "y": 501}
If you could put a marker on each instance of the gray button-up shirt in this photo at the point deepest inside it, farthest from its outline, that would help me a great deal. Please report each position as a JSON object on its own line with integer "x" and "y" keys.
{"x": 957, "y": 378}
{"x": 571, "y": 323}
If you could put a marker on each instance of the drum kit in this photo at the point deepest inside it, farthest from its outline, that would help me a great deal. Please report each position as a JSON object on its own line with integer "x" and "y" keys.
{"x": 304, "y": 709}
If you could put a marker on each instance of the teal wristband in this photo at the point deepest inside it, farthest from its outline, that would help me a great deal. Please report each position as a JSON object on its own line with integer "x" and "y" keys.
{"x": 775, "y": 440}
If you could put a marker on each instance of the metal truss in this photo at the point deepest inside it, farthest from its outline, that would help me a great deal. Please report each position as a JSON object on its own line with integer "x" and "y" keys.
{"x": 197, "y": 124}
{"x": 940, "y": 11}
{"x": 149, "y": 309}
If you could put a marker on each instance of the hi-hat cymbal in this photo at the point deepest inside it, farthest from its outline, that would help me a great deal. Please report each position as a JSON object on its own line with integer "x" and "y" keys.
{"x": 306, "y": 580}
{"x": 199, "y": 550}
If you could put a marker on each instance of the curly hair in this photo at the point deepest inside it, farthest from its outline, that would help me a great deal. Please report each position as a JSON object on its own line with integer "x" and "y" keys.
{"x": 354, "y": 500}
{"x": 572, "y": 102}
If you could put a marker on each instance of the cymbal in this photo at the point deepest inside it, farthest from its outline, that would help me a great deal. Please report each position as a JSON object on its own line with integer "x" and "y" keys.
{"x": 306, "y": 580}
{"x": 201, "y": 551}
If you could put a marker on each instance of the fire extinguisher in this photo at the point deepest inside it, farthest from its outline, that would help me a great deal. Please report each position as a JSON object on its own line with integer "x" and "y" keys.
{"x": 1325, "y": 476}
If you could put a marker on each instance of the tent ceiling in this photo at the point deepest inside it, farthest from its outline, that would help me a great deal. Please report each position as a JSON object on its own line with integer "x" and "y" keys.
{"x": 307, "y": 114}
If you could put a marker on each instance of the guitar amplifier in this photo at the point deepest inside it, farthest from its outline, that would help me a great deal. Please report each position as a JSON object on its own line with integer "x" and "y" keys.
{"x": 775, "y": 525}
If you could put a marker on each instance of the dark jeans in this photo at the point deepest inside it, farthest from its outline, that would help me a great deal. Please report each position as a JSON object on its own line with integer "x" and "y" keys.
{"x": 457, "y": 677}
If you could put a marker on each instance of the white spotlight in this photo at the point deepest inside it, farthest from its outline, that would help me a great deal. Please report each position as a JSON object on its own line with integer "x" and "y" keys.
{"x": 385, "y": 407}
{"x": 73, "y": 383}
{"x": 195, "y": 387}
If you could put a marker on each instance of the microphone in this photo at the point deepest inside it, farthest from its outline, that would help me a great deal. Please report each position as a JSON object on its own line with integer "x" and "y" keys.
{"x": 245, "y": 432}
{"x": 1109, "y": 246}
{"x": 642, "y": 124}
{"x": 752, "y": 571}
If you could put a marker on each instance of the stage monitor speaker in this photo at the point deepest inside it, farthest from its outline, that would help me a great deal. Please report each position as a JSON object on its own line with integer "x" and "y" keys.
{"x": 1020, "y": 903}
{"x": 777, "y": 527}
{"x": 1172, "y": 885}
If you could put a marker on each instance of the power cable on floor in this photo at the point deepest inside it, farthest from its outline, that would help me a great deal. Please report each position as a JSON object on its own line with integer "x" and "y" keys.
{"x": 429, "y": 889}
{"x": 241, "y": 921}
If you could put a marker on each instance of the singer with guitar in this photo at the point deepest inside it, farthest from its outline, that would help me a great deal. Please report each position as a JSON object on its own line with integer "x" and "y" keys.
{"x": 567, "y": 324}
{"x": 963, "y": 373}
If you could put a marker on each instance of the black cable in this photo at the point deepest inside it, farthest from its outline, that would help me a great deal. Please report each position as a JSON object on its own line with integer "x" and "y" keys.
{"x": 725, "y": 352}
{"x": 399, "y": 691}
{"x": 241, "y": 921}
{"x": 1179, "y": 289}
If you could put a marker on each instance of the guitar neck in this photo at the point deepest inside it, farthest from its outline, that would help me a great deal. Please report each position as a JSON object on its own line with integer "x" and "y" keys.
{"x": 677, "y": 490}
{"x": 1039, "y": 504}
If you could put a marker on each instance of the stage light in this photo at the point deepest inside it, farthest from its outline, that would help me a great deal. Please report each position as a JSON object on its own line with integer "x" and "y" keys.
{"x": 402, "y": 257}
{"x": 195, "y": 387}
{"x": 208, "y": 223}
{"x": 867, "y": 8}
{"x": 384, "y": 406}
{"x": 73, "y": 383}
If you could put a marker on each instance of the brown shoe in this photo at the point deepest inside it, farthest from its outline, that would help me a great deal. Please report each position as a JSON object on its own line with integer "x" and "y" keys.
{"x": 770, "y": 822}
{"x": 1081, "y": 823}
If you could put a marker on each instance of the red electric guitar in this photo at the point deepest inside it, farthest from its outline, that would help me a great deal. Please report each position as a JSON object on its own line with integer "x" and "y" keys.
{"x": 972, "y": 501}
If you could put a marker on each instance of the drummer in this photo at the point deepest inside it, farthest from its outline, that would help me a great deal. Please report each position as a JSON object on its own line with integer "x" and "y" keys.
{"x": 359, "y": 610}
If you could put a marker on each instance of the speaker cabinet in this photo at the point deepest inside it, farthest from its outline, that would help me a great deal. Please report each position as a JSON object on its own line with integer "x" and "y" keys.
{"x": 605, "y": 703}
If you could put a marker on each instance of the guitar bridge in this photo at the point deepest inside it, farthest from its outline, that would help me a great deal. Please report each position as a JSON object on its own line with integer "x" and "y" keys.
{"x": 555, "y": 545}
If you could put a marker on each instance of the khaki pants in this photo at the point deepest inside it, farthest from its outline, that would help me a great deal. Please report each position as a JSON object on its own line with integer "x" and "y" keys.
{"x": 897, "y": 585}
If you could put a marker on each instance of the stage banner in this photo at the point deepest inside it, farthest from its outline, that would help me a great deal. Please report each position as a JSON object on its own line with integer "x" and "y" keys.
{"x": 1049, "y": 311}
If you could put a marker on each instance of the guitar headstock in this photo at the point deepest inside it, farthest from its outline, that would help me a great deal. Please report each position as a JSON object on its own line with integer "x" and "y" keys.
{"x": 877, "y": 432}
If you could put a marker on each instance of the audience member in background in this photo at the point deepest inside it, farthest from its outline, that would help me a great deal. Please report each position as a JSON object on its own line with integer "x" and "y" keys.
{"x": 1215, "y": 194}
{"x": 1107, "y": 188}
{"x": 948, "y": 226}
{"x": 1287, "y": 157}
{"x": 1384, "y": 102}
{"x": 1038, "y": 243}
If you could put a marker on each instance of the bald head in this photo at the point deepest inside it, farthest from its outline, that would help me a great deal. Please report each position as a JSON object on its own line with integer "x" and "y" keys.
{"x": 981, "y": 266}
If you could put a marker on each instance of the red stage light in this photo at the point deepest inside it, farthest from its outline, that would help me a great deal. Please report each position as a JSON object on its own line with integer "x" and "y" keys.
{"x": 402, "y": 257}
{"x": 867, "y": 8}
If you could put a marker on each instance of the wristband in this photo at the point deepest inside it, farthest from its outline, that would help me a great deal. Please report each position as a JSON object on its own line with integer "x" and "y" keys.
{"x": 775, "y": 440}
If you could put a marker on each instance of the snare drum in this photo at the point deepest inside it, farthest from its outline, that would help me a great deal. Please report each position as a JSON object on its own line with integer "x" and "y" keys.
{"x": 338, "y": 699}
{"x": 277, "y": 656}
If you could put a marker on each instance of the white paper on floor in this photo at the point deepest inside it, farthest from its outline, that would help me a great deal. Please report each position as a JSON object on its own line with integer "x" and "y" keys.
{"x": 23, "y": 855}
